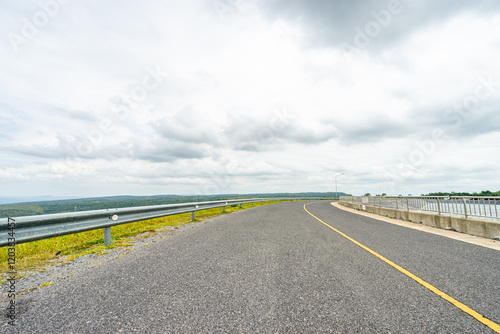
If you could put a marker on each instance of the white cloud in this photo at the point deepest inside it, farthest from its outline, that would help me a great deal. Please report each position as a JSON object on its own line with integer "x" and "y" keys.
{"x": 179, "y": 97}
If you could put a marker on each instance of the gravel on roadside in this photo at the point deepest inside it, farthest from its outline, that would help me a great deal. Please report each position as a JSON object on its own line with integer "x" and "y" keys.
{"x": 60, "y": 269}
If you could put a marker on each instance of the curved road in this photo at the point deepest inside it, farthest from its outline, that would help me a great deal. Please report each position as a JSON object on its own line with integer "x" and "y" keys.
{"x": 277, "y": 269}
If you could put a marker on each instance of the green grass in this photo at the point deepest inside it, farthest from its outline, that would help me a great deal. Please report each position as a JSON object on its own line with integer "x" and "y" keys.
{"x": 36, "y": 255}
{"x": 46, "y": 284}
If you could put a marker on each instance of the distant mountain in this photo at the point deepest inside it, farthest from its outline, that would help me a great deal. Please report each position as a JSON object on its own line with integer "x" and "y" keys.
{"x": 39, "y": 205}
{"x": 27, "y": 199}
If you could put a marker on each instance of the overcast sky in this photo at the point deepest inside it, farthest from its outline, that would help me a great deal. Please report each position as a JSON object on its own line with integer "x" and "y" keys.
{"x": 243, "y": 96}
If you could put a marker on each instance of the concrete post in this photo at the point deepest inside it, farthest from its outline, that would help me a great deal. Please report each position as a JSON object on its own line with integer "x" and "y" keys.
{"x": 107, "y": 236}
{"x": 465, "y": 208}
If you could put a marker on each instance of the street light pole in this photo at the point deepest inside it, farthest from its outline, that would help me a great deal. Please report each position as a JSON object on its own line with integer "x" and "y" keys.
{"x": 336, "y": 193}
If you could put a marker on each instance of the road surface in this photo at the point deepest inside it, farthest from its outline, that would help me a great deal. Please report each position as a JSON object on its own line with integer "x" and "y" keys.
{"x": 277, "y": 269}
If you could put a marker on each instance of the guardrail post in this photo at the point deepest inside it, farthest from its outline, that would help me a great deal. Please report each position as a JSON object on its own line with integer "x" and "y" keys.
{"x": 439, "y": 207}
{"x": 407, "y": 205}
{"x": 107, "y": 236}
{"x": 223, "y": 209}
{"x": 105, "y": 219}
{"x": 240, "y": 205}
{"x": 465, "y": 208}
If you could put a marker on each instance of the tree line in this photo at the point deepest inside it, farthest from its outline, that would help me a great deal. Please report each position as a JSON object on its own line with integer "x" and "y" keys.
{"x": 485, "y": 193}
{"x": 482, "y": 193}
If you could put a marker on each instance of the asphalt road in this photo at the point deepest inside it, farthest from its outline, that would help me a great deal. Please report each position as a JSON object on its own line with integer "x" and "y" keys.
{"x": 276, "y": 269}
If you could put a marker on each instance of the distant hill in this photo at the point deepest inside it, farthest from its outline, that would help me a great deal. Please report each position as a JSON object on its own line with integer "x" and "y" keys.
{"x": 96, "y": 203}
{"x": 26, "y": 199}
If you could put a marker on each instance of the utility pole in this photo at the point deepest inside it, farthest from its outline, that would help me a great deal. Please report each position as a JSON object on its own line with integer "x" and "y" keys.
{"x": 336, "y": 192}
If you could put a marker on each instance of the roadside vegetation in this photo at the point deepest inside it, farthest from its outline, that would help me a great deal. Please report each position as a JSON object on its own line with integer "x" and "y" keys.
{"x": 482, "y": 193}
{"x": 38, "y": 254}
{"x": 474, "y": 194}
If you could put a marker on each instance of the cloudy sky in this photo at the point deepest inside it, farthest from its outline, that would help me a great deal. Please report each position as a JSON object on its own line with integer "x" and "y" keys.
{"x": 242, "y": 96}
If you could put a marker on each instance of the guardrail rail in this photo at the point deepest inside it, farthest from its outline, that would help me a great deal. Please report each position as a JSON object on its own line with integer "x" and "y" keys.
{"x": 32, "y": 228}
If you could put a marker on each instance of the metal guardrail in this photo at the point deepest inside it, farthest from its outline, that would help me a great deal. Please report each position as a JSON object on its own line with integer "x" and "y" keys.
{"x": 32, "y": 228}
{"x": 461, "y": 206}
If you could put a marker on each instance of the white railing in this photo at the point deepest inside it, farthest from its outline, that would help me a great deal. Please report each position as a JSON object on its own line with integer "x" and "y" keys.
{"x": 461, "y": 206}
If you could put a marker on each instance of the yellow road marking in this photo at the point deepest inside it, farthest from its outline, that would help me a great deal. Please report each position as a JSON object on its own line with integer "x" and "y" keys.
{"x": 465, "y": 308}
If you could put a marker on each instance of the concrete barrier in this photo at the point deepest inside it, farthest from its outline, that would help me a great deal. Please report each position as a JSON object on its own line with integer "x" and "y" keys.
{"x": 477, "y": 227}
